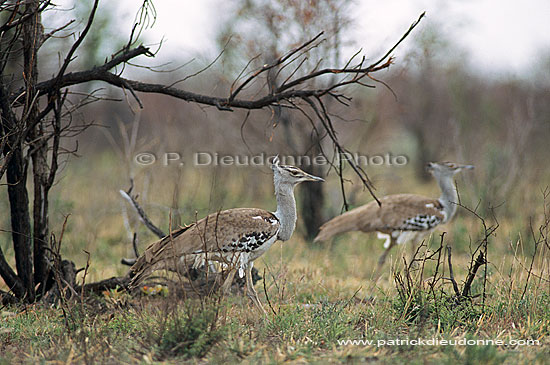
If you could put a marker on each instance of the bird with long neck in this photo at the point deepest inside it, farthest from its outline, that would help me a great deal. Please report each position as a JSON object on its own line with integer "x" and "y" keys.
{"x": 234, "y": 237}
{"x": 286, "y": 205}
{"x": 401, "y": 218}
{"x": 449, "y": 195}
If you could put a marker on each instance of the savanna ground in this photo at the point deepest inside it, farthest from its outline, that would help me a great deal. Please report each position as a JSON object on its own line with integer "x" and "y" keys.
{"x": 318, "y": 294}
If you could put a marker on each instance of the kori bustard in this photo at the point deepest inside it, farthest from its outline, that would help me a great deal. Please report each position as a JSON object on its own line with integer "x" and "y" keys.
{"x": 234, "y": 237}
{"x": 402, "y": 217}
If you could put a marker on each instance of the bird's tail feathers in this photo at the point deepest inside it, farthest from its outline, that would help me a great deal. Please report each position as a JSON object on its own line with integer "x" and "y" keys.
{"x": 158, "y": 256}
{"x": 139, "y": 272}
{"x": 340, "y": 224}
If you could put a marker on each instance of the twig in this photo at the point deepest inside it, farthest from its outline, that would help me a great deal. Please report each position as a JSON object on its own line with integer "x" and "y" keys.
{"x": 451, "y": 274}
{"x": 130, "y": 262}
{"x": 76, "y": 44}
{"x": 278, "y": 62}
{"x": 14, "y": 23}
{"x": 267, "y": 297}
{"x": 480, "y": 260}
{"x": 142, "y": 216}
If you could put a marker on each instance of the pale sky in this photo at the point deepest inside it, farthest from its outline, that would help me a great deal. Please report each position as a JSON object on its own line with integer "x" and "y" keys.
{"x": 502, "y": 36}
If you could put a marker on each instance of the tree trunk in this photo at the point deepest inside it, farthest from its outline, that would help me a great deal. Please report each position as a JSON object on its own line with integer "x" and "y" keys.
{"x": 312, "y": 199}
{"x": 20, "y": 219}
{"x": 10, "y": 277}
{"x": 10, "y": 150}
{"x": 40, "y": 215}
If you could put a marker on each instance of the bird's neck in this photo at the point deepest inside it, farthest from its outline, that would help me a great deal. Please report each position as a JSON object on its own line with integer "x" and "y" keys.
{"x": 449, "y": 196}
{"x": 286, "y": 210}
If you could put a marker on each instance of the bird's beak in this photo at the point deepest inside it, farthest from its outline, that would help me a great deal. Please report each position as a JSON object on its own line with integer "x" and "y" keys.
{"x": 308, "y": 177}
{"x": 467, "y": 167}
{"x": 429, "y": 166}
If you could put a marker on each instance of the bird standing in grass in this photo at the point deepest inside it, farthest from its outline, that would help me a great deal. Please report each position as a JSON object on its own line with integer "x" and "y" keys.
{"x": 402, "y": 217}
{"x": 234, "y": 237}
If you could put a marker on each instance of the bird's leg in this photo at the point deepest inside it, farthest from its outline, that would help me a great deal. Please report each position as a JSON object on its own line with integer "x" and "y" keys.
{"x": 382, "y": 258}
{"x": 250, "y": 291}
{"x": 212, "y": 267}
{"x": 226, "y": 286}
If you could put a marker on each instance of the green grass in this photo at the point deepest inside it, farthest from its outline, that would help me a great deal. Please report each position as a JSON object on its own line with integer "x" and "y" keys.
{"x": 320, "y": 294}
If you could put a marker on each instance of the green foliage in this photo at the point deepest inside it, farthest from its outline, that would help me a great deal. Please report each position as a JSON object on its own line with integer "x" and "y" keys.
{"x": 318, "y": 325}
{"x": 461, "y": 236}
{"x": 190, "y": 331}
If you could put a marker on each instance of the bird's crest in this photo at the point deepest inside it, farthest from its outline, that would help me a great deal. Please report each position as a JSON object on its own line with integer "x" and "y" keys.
{"x": 275, "y": 162}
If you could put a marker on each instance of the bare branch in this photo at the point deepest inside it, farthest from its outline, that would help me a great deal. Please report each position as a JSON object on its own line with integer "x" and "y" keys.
{"x": 51, "y": 34}
{"x": 11, "y": 23}
{"x": 480, "y": 260}
{"x": 451, "y": 272}
{"x": 202, "y": 69}
{"x": 142, "y": 216}
{"x": 413, "y": 25}
{"x": 76, "y": 44}
{"x": 278, "y": 62}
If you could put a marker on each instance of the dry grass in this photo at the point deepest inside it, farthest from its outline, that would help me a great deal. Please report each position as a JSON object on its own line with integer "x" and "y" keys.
{"x": 321, "y": 295}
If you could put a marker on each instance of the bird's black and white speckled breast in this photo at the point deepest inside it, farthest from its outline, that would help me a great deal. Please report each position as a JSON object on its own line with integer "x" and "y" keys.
{"x": 248, "y": 242}
{"x": 421, "y": 222}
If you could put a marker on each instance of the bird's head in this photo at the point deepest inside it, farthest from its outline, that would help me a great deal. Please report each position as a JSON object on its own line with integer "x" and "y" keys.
{"x": 446, "y": 169}
{"x": 292, "y": 175}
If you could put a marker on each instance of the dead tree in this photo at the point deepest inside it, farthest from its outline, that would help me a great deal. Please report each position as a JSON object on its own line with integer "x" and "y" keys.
{"x": 35, "y": 114}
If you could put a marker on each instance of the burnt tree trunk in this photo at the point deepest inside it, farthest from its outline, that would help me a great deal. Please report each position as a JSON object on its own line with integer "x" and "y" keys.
{"x": 16, "y": 192}
{"x": 32, "y": 34}
{"x": 20, "y": 221}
